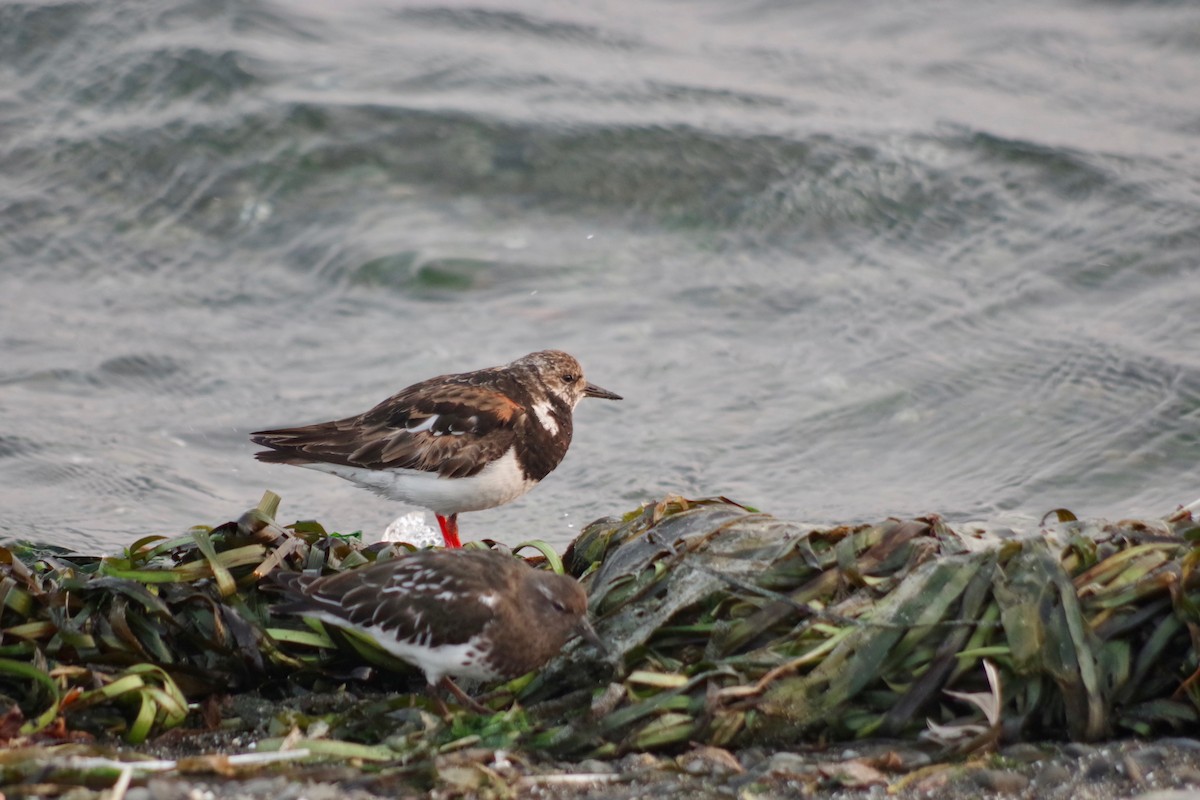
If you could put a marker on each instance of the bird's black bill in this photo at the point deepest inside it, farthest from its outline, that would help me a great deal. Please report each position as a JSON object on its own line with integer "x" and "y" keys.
{"x": 585, "y": 629}
{"x": 592, "y": 390}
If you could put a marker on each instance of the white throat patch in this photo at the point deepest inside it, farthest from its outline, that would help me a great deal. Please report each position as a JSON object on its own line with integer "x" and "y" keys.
{"x": 542, "y": 410}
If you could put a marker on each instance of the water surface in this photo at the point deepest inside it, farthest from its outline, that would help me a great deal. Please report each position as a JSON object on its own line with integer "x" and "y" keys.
{"x": 842, "y": 261}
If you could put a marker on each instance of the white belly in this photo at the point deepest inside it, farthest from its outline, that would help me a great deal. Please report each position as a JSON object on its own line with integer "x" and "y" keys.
{"x": 498, "y": 483}
{"x": 466, "y": 660}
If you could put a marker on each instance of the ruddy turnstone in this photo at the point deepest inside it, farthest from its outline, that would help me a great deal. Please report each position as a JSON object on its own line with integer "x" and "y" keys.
{"x": 468, "y": 613}
{"x": 453, "y": 443}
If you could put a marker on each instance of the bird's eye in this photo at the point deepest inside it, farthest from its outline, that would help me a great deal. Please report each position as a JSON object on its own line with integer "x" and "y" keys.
{"x": 559, "y": 607}
{"x": 570, "y": 377}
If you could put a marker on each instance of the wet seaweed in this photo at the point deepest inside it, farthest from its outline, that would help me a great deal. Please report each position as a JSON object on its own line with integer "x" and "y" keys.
{"x": 724, "y": 625}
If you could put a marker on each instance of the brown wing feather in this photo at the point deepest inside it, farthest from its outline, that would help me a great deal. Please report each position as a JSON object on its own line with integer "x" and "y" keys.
{"x": 401, "y": 596}
{"x": 472, "y": 427}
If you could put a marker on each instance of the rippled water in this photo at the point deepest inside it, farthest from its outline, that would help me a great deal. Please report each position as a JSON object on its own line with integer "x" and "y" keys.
{"x": 843, "y": 260}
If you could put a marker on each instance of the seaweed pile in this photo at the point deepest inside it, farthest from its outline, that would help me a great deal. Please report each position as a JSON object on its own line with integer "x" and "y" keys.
{"x": 732, "y": 627}
{"x": 725, "y": 626}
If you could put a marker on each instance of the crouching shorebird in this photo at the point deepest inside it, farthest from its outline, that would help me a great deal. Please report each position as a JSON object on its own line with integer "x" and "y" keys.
{"x": 469, "y": 613}
{"x": 453, "y": 443}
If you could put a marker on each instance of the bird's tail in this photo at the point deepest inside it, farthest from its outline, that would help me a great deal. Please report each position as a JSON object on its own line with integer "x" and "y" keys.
{"x": 292, "y": 586}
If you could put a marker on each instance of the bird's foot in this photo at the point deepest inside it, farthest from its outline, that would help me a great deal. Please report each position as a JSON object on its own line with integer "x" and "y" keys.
{"x": 449, "y": 526}
{"x": 463, "y": 697}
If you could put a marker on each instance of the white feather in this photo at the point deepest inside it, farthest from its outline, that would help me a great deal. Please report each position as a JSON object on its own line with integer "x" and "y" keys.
{"x": 463, "y": 660}
{"x": 541, "y": 410}
{"x": 499, "y": 482}
{"x": 424, "y": 426}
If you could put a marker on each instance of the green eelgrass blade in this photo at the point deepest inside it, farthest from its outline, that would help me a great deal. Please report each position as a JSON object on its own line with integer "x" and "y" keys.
{"x": 30, "y": 672}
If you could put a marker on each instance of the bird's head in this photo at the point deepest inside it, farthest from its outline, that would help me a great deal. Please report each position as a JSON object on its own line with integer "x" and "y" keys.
{"x": 562, "y": 376}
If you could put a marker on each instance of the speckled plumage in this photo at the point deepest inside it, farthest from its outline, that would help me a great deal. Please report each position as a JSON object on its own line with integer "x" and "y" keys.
{"x": 467, "y": 613}
{"x": 452, "y": 443}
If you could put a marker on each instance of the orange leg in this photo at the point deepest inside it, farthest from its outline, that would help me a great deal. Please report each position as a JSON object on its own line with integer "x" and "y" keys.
{"x": 463, "y": 697}
{"x": 449, "y": 526}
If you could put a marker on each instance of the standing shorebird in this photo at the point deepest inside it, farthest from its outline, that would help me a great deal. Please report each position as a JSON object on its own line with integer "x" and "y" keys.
{"x": 468, "y": 613}
{"x": 453, "y": 443}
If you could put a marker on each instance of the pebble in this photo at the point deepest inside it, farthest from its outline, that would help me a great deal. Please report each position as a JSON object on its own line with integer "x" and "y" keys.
{"x": 1149, "y": 757}
{"x": 1079, "y": 750}
{"x": 788, "y": 764}
{"x": 893, "y": 756}
{"x": 1186, "y": 775}
{"x": 709, "y": 760}
{"x": 1053, "y": 775}
{"x": 159, "y": 789}
{"x": 321, "y": 791}
{"x": 639, "y": 762}
{"x": 752, "y": 756}
{"x": 910, "y": 760}
{"x": 1100, "y": 770}
{"x": 1138, "y": 766}
{"x": 1023, "y": 753}
{"x": 1002, "y": 781}
{"x": 265, "y": 787}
